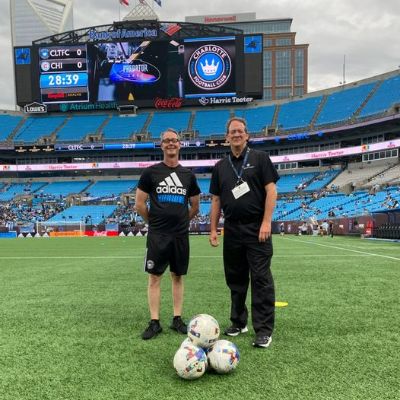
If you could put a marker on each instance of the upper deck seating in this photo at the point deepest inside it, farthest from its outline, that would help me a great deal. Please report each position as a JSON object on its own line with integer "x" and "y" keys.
{"x": 340, "y": 106}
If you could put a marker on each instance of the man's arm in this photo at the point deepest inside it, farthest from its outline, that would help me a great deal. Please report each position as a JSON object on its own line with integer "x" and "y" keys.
{"x": 194, "y": 202}
{"x": 214, "y": 218}
{"x": 270, "y": 201}
{"x": 141, "y": 206}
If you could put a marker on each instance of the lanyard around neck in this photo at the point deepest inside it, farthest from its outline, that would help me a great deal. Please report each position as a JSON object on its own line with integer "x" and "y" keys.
{"x": 240, "y": 173}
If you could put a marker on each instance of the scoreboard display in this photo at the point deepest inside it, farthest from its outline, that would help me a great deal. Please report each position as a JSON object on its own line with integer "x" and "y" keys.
{"x": 63, "y": 74}
{"x": 214, "y": 70}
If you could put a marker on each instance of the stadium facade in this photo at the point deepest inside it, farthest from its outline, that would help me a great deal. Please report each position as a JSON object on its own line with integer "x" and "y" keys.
{"x": 54, "y": 156}
{"x": 34, "y": 19}
{"x": 285, "y": 62}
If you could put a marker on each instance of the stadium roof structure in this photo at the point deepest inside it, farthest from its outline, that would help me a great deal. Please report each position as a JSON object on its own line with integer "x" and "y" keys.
{"x": 181, "y": 30}
{"x": 31, "y": 19}
{"x": 141, "y": 11}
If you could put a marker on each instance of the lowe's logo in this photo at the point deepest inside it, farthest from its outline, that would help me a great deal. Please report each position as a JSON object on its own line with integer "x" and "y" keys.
{"x": 35, "y": 108}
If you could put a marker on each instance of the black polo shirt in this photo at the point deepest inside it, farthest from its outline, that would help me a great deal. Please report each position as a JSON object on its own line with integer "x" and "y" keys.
{"x": 258, "y": 172}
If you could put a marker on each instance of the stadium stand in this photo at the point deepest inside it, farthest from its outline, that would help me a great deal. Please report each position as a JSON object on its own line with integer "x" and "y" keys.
{"x": 208, "y": 123}
{"x": 204, "y": 185}
{"x": 8, "y": 123}
{"x": 17, "y": 189}
{"x": 78, "y": 127}
{"x": 358, "y": 174}
{"x": 384, "y": 98}
{"x": 294, "y": 182}
{"x": 340, "y": 106}
{"x": 35, "y": 128}
{"x": 298, "y": 114}
{"x": 258, "y": 119}
{"x": 62, "y": 189}
{"x": 110, "y": 188}
{"x": 123, "y": 128}
{"x": 92, "y": 214}
{"x": 161, "y": 120}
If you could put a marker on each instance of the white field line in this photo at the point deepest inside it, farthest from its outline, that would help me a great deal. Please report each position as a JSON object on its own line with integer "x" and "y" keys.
{"x": 364, "y": 253}
{"x": 141, "y": 257}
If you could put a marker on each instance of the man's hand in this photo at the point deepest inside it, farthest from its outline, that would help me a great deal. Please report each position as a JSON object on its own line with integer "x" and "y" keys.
{"x": 214, "y": 239}
{"x": 265, "y": 231}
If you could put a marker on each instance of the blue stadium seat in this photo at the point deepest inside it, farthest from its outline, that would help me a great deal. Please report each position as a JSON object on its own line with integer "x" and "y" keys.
{"x": 340, "y": 106}
{"x": 36, "y": 127}
{"x": 384, "y": 97}
{"x": 124, "y": 127}
{"x": 96, "y": 214}
{"x": 111, "y": 188}
{"x": 62, "y": 189}
{"x": 211, "y": 122}
{"x": 78, "y": 127}
{"x": 7, "y": 125}
{"x": 17, "y": 189}
{"x": 297, "y": 114}
{"x": 257, "y": 118}
{"x": 178, "y": 120}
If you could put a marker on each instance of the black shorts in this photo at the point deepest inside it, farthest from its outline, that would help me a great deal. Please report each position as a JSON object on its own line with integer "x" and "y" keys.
{"x": 163, "y": 250}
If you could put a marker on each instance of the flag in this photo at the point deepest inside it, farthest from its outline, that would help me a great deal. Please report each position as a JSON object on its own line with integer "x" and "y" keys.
{"x": 124, "y": 2}
{"x": 170, "y": 29}
{"x": 158, "y": 2}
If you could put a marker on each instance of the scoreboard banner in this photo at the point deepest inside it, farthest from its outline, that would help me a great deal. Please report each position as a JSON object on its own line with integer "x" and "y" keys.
{"x": 63, "y": 74}
{"x": 140, "y": 68}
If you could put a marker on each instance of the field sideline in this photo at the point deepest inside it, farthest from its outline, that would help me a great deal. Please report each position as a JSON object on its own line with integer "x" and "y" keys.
{"x": 72, "y": 310}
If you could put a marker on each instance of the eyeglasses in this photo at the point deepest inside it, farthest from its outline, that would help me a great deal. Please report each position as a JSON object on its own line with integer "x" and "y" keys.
{"x": 240, "y": 131}
{"x": 172, "y": 140}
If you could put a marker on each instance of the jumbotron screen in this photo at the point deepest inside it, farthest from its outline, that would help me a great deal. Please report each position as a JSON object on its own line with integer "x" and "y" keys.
{"x": 144, "y": 73}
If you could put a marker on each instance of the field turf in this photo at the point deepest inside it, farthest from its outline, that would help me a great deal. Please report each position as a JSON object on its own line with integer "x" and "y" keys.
{"x": 72, "y": 311}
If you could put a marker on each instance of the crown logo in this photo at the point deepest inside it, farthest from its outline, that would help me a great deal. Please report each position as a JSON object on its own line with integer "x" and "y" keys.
{"x": 209, "y": 69}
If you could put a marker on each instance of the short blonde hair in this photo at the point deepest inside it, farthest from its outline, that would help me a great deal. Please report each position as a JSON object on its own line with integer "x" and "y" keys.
{"x": 170, "y": 130}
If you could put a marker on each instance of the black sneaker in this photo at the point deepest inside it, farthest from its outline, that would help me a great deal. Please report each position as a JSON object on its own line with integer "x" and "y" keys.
{"x": 179, "y": 326}
{"x": 235, "y": 331}
{"x": 152, "y": 330}
{"x": 262, "y": 341}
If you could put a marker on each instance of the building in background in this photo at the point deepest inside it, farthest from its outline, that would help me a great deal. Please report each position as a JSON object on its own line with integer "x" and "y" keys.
{"x": 35, "y": 19}
{"x": 285, "y": 62}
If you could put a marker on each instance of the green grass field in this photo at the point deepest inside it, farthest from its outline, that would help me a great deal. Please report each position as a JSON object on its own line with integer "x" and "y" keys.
{"x": 72, "y": 311}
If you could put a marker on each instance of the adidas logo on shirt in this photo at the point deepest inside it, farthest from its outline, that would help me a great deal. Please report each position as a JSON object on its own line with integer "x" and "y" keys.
{"x": 171, "y": 185}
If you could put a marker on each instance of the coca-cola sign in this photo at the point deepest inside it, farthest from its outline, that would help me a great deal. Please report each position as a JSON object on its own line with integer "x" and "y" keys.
{"x": 173, "y": 102}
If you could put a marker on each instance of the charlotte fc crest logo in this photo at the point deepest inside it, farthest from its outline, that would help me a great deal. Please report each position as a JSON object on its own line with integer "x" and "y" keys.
{"x": 209, "y": 67}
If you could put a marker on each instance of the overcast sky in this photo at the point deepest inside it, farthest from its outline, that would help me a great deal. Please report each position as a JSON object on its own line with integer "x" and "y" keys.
{"x": 366, "y": 31}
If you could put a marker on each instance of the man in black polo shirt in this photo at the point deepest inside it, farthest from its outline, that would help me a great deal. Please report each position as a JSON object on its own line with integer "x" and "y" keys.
{"x": 243, "y": 185}
{"x": 171, "y": 189}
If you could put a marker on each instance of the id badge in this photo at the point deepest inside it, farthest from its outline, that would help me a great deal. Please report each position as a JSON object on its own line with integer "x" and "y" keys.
{"x": 240, "y": 190}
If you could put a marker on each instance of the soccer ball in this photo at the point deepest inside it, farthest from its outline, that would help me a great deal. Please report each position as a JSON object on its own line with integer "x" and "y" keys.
{"x": 223, "y": 356}
{"x": 186, "y": 342}
{"x": 203, "y": 330}
{"x": 190, "y": 362}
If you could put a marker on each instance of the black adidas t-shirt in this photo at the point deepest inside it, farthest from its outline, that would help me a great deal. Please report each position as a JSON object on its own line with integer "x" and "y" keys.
{"x": 169, "y": 190}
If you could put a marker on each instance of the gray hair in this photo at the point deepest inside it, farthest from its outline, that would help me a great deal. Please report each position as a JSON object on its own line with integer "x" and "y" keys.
{"x": 238, "y": 119}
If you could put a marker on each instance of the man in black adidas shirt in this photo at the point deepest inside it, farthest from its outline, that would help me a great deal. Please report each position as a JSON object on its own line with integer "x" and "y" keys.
{"x": 174, "y": 200}
{"x": 243, "y": 185}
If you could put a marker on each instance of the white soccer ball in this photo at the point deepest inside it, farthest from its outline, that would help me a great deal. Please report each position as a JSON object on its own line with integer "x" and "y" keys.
{"x": 190, "y": 362}
{"x": 203, "y": 330}
{"x": 223, "y": 356}
{"x": 186, "y": 342}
